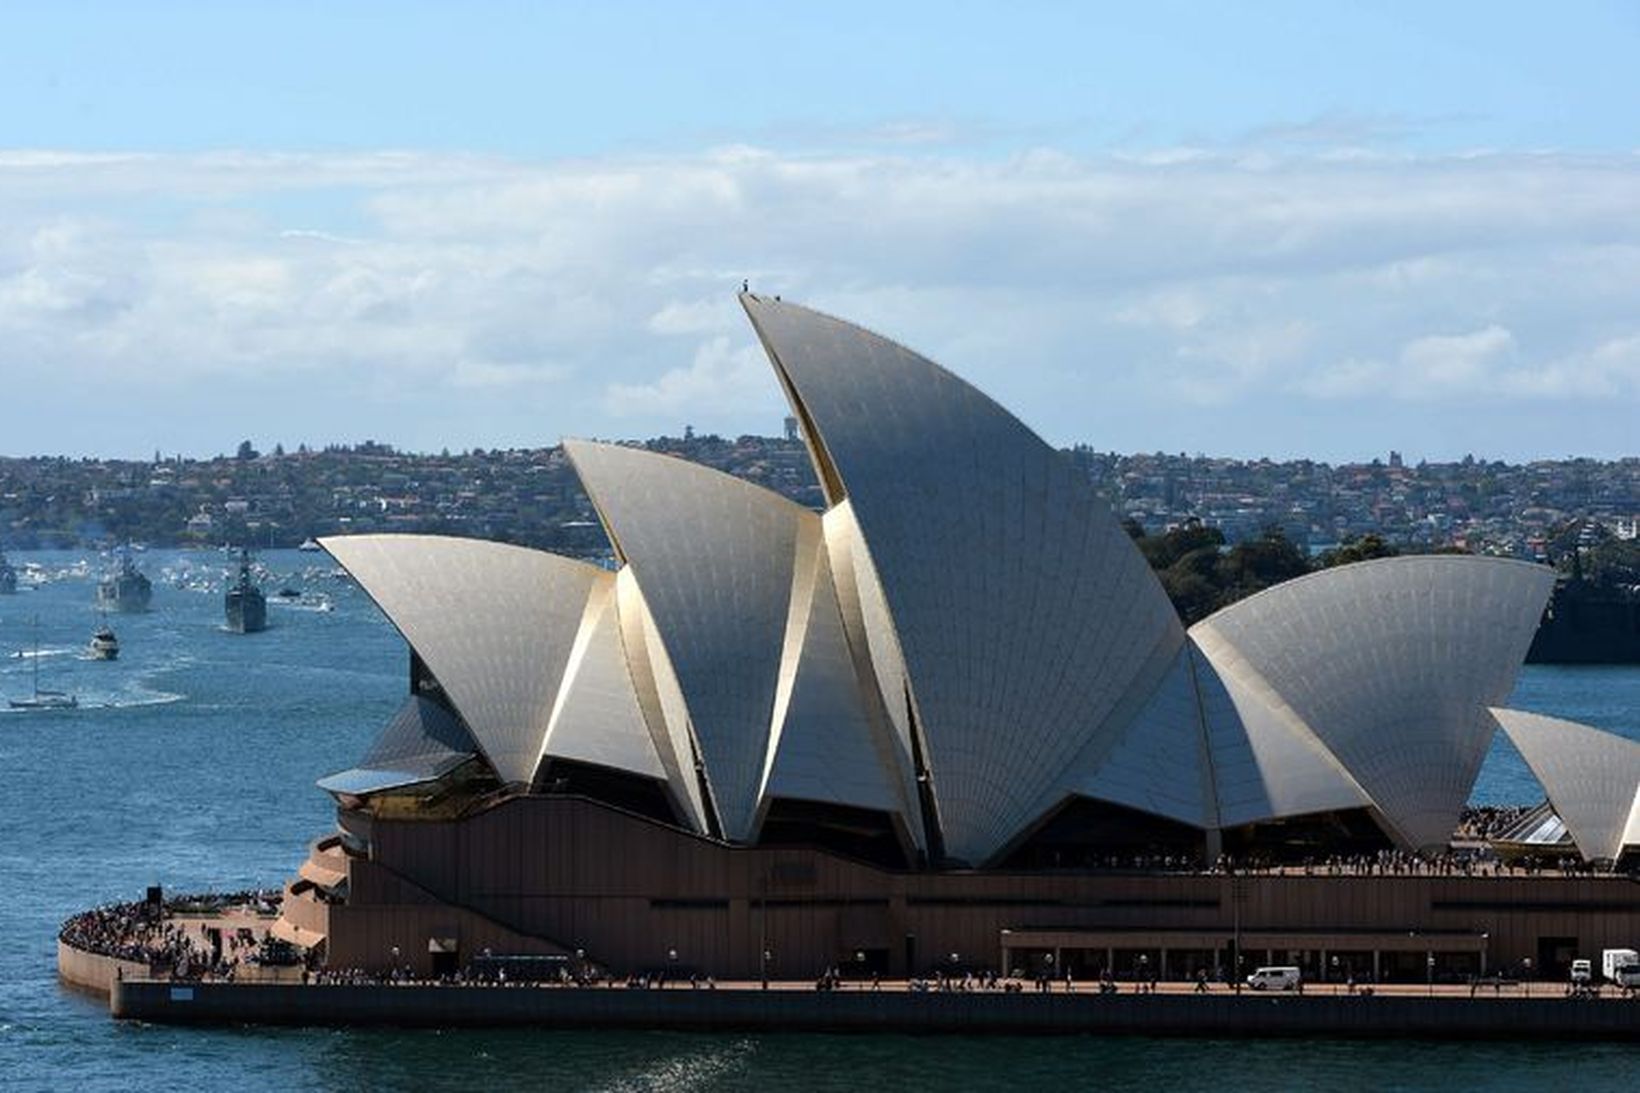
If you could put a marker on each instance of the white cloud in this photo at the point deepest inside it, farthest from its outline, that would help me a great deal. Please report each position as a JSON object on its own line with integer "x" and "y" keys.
{"x": 1092, "y": 295}
{"x": 1610, "y": 369}
{"x": 694, "y": 316}
{"x": 489, "y": 374}
{"x": 1454, "y": 364}
{"x": 723, "y": 378}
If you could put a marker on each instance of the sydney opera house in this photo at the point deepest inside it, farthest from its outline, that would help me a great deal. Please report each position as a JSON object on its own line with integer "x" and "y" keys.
{"x": 950, "y": 721}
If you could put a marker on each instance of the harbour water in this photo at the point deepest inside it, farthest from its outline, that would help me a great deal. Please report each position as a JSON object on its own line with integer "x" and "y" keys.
{"x": 190, "y": 762}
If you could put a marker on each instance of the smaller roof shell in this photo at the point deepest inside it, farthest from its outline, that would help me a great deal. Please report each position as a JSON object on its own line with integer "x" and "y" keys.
{"x": 494, "y": 623}
{"x": 1390, "y": 665}
{"x": 1592, "y": 778}
{"x": 422, "y": 743}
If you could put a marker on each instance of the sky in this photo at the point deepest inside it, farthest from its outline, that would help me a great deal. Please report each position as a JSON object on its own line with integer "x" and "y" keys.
{"x": 1260, "y": 229}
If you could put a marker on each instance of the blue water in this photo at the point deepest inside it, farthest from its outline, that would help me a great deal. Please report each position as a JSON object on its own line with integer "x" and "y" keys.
{"x": 191, "y": 764}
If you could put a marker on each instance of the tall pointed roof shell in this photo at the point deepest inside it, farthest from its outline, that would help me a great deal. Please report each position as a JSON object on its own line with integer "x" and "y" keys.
{"x": 716, "y": 558}
{"x": 1026, "y": 618}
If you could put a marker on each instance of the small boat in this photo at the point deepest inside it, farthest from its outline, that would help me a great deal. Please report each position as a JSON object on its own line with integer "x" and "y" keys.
{"x": 310, "y": 544}
{"x": 104, "y": 645}
{"x": 43, "y": 700}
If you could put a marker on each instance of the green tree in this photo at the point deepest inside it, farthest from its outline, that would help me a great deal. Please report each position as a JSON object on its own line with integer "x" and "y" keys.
{"x": 1258, "y": 564}
{"x": 1357, "y": 549}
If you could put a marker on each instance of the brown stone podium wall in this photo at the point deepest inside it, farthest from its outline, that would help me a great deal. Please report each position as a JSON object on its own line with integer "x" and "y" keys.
{"x": 575, "y": 874}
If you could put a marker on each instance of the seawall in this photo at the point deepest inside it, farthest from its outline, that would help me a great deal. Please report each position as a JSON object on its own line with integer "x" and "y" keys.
{"x": 94, "y": 972}
{"x": 1438, "y": 1017}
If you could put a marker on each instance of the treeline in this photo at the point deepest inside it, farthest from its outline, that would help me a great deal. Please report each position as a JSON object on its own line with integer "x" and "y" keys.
{"x": 1202, "y": 575}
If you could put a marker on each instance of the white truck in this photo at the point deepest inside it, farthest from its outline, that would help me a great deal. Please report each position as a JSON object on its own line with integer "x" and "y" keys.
{"x": 1621, "y": 967}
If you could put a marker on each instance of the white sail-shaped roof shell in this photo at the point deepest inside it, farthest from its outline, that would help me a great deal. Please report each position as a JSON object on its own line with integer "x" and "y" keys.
{"x": 659, "y": 698}
{"x": 874, "y": 648}
{"x": 1266, "y": 763}
{"x": 965, "y": 637}
{"x": 494, "y": 623}
{"x": 597, "y": 717}
{"x": 1592, "y": 778}
{"x": 737, "y": 583}
{"x": 1213, "y": 746}
{"x": 829, "y": 744}
{"x": 1026, "y": 620}
{"x": 1391, "y": 665}
{"x": 1157, "y": 764}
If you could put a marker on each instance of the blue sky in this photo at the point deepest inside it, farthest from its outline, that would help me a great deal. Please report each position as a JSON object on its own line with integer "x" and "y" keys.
{"x": 538, "y": 80}
{"x": 1285, "y": 229}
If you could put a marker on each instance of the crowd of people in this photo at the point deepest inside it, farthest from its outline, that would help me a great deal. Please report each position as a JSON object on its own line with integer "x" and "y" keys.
{"x": 1401, "y": 863}
{"x": 1464, "y": 861}
{"x": 147, "y": 933}
{"x": 1481, "y": 822}
{"x": 124, "y": 931}
{"x": 1471, "y": 853}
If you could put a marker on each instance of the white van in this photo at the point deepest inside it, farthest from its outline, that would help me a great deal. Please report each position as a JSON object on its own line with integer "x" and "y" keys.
{"x": 1279, "y": 978}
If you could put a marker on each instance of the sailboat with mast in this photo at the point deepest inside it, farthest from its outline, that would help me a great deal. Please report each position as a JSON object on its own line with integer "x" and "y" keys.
{"x": 43, "y": 700}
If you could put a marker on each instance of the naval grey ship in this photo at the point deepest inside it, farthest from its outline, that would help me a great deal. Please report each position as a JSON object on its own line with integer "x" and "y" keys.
{"x": 246, "y": 607}
{"x": 126, "y": 590}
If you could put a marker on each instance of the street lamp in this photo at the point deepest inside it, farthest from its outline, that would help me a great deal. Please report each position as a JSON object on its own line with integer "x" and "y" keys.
{"x": 767, "y": 956}
{"x": 581, "y": 966}
{"x": 1144, "y": 968}
{"x": 671, "y": 964}
{"x": 1429, "y": 971}
{"x": 1528, "y": 977}
{"x": 1335, "y": 972}
{"x": 393, "y": 970}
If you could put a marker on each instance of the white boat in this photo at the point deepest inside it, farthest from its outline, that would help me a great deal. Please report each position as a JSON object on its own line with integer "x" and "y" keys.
{"x": 43, "y": 700}
{"x": 309, "y": 545}
{"x": 46, "y": 700}
{"x": 104, "y": 645}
